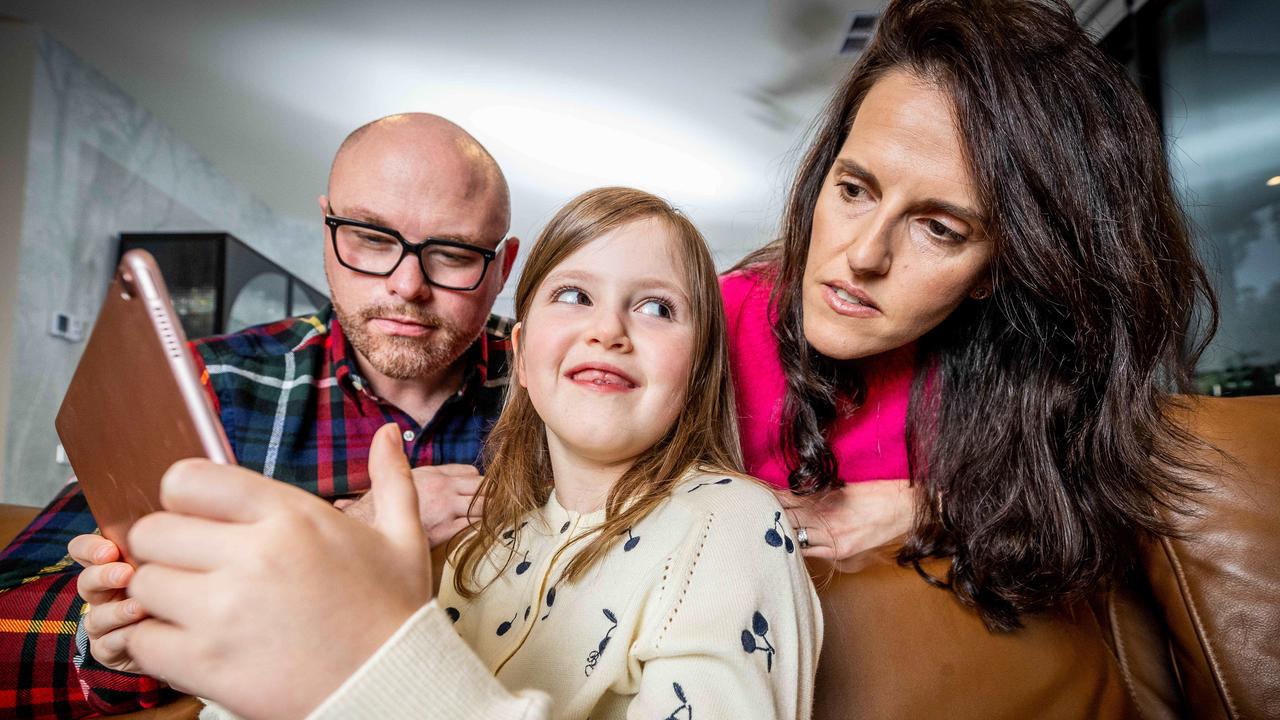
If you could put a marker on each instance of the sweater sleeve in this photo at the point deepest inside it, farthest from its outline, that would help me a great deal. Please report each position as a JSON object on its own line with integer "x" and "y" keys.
{"x": 425, "y": 670}
{"x": 742, "y": 633}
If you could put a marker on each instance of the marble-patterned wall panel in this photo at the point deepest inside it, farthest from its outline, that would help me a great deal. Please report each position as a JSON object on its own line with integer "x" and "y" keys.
{"x": 98, "y": 165}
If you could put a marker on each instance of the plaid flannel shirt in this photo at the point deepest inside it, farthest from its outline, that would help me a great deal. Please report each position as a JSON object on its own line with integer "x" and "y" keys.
{"x": 295, "y": 408}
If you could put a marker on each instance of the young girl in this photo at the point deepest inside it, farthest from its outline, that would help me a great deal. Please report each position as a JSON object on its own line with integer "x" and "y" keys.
{"x": 622, "y": 566}
{"x": 647, "y": 573}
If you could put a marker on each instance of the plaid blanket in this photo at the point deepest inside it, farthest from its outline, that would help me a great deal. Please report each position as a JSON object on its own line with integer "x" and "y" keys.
{"x": 295, "y": 408}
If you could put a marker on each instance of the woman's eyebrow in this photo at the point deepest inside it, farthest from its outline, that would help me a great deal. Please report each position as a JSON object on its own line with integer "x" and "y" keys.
{"x": 932, "y": 205}
{"x": 849, "y": 167}
{"x": 927, "y": 205}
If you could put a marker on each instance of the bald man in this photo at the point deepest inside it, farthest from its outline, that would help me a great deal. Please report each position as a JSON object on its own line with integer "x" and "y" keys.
{"x": 414, "y": 234}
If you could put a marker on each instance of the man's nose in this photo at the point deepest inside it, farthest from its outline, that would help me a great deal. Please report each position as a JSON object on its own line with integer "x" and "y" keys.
{"x": 870, "y": 248}
{"x": 408, "y": 281}
{"x": 609, "y": 331}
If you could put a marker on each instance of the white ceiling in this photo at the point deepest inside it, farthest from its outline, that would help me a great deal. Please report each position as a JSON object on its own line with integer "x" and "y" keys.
{"x": 701, "y": 101}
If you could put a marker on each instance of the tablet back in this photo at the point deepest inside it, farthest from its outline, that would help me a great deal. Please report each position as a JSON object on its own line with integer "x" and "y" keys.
{"x": 135, "y": 405}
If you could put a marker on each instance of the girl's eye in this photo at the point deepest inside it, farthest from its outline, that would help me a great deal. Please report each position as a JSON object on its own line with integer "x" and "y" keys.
{"x": 656, "y": 308}
{"x": 940, "y": 231}
{"x": 571, "y": 296}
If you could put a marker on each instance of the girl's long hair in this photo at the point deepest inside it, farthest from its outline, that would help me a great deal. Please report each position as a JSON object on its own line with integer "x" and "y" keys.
{"x": 1037, "y": 431}
{"x": 518, "y": 478}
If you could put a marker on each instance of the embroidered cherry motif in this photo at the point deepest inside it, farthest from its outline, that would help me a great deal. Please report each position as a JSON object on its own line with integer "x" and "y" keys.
{"x": 685, "y": 707}
{"x": 631, "y": 542}
{"x": 504, "y": 627}
{"x": 551, "y": 600}
{"x": 594, "y": 656}
{"x": 760, "y": 627}
{"x": 721, "y": 481}
{"x": 775, "y": 537}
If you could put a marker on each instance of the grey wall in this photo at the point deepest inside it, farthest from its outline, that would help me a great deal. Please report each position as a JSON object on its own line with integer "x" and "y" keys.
{"x": 97, "y": 164}
{"x": 17, "y": 56}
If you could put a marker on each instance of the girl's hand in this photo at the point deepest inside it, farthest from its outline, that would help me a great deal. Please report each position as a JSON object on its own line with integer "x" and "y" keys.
{"x": 111, "y": 613}
{"x": 845, "y": 523}
{"x": 264, "y": 598}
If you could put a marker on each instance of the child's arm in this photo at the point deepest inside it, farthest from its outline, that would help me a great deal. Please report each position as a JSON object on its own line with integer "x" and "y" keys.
{"x": 426, "y": 670}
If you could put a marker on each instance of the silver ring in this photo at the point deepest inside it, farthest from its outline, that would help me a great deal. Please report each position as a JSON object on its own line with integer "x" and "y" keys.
{"x": 802, "y": 535}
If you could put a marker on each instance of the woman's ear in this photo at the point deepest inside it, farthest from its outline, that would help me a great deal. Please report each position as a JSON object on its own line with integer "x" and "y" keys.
{"x": 516, "y": 331}
{"x": 982, "y": 291}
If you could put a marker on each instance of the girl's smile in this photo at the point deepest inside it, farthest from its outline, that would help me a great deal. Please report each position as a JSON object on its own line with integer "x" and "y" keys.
{"x": 601, "y": 377}
{"x": 606, "y": 347}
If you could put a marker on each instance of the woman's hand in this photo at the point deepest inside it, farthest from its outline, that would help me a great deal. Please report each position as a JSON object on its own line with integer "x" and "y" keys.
{"x": 844, "y": 523}
{"x": 262, "y": 596}
{"x": 101, "y": 584}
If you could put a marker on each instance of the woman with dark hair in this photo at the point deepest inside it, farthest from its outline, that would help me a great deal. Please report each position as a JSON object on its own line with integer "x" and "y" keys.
{"x": 983, "y": 282}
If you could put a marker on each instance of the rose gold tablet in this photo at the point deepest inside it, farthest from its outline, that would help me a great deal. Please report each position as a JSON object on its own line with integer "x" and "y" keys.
{"x": 135, "y": 405}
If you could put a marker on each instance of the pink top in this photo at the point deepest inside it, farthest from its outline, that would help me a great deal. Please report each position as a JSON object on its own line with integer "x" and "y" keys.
{"x": 870, "y": 444}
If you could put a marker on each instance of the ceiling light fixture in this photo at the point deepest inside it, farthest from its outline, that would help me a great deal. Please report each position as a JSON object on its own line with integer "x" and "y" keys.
{"x": 1274, "y": 181}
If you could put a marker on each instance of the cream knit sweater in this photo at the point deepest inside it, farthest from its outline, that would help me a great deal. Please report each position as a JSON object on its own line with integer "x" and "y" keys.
{"x": 703, "y": 610}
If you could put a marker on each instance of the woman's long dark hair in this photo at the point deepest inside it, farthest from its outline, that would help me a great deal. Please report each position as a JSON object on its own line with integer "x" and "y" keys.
{"x": 1037, "y": 431}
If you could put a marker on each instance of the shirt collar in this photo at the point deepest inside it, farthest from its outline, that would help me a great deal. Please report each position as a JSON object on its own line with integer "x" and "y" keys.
{"x": 340, "y": 356}
{"x": 556, "y": 517}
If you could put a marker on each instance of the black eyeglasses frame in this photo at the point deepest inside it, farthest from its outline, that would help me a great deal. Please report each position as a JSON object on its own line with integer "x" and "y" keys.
{"x": 407, "y": 248}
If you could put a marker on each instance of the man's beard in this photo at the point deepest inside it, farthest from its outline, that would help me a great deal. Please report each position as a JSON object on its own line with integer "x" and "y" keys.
{"x": 400, "y": 357}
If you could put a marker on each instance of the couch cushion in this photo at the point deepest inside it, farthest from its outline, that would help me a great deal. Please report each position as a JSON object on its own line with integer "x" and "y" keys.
{"x": 1219, "y": 585}
{"x": 896, "y": 647}
{"x": 1134, "y": 628}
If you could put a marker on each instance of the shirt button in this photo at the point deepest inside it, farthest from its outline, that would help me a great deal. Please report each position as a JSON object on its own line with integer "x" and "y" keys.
{"x": 409, "y": 436}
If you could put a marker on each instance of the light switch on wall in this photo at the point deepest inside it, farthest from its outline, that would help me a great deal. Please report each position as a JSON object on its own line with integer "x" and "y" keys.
{"x": 67, "y": 326}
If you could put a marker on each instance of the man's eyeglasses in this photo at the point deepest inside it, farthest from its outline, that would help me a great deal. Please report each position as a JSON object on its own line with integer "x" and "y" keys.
{"x": 376, "y": 250}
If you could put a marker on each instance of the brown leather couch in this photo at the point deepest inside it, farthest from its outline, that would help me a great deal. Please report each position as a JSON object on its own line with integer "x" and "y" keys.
{"x": 1197, "y": 634}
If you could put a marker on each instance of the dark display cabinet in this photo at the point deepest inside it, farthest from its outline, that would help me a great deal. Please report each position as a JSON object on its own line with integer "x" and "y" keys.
{"x": 220, "y": 285}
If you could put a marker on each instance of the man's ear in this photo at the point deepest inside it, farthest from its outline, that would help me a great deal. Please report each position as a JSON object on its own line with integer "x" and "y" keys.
{"x": 516, "y": 331}
{"x": 509, "y": 253}
{"x": 324, "y": 204}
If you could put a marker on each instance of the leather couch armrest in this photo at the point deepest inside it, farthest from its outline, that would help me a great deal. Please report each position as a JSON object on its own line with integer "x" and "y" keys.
{"x": 13, "y": 518}
{"x": 1219, "y": 584}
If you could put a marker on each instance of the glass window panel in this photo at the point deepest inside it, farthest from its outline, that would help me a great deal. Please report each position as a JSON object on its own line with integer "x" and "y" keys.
{"x": 261, "y": 300}
{"x": 302, "y": 302}
{"x": 1220, "y": 92}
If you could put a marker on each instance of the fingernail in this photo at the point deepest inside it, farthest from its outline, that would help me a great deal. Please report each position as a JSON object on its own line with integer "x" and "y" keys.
{"x": 117, "y": 576}
{"x": 131, "y": 607}
{"x": 103, "y": 555}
